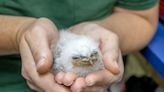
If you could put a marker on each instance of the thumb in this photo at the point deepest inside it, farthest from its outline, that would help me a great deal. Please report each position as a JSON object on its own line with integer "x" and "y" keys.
{"x": 111, "y": 63}
{"x": 43, "y": 36}
{"x": 40, "y": 49}
{"x": 44, "y": 63}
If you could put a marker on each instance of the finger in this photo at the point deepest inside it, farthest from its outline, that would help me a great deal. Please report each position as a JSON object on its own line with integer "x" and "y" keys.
{"x": 111, "y": 62}
{"x": 105, "y": 77}
{"x": 50, "y": 30}
{"x": 25, "y": 74}
{"x": 94, "y": 89}
{"x": 78, "y": 85}
{"x": 110, "y": 51}
{"x": 39, "y": 46}
{"x": 46, "y": 81}
{"x": 59, "y": 77}
{"x": 42, "y": 37}
{"x": 50, "y": 86}
{"x": 28, "y": 64}
{"x": 121, "y": 66}
{"x": 69, "y": 79}
{"x": 100, "y": 78}
{"x": 34, "y": 87}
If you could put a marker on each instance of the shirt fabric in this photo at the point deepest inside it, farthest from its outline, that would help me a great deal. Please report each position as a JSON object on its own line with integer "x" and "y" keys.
{"x": 64, "y": 13}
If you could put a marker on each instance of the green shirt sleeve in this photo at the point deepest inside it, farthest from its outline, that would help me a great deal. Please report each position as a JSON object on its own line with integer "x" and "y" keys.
{"x": 136, "y": 4}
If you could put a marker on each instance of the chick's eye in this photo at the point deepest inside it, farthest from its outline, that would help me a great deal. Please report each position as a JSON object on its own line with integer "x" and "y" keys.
{"x": 76, "y": 57}
{"x": 94, "y": 53}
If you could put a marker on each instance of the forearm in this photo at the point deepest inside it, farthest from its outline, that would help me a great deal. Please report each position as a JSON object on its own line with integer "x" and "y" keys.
{"x": 9, "y": 30}
{"x": 134, "y": 31}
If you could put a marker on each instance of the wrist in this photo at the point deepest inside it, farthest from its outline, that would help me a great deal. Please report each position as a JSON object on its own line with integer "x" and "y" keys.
{"x": 21, "y": 29}
{"x": 10, "y": 27}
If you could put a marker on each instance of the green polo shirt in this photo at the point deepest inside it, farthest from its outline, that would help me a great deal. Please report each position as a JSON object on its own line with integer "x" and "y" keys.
{"x": 64, "y": 13}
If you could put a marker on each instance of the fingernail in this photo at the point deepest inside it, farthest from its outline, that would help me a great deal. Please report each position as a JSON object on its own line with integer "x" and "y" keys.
{"x": 41, "y": 62}
{"x": 116, "y": 68}
{"x": 59, "y": 77}
{"x": 59, "y": 82}
{"x": 67, "y": 82}
{"x": 115, "y": 64}
{"x": 89, "y": 82}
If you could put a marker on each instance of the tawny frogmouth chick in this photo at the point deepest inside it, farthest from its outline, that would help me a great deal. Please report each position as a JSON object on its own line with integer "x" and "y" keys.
{"x": 77, "y": 53}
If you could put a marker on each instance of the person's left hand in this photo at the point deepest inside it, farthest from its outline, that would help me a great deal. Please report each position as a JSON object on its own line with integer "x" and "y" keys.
{"x": 109, "y": 46}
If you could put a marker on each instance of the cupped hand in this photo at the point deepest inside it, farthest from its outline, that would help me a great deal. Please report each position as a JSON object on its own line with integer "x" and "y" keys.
{"x": 109, "y": 46}
{"x": 35, "y": 42}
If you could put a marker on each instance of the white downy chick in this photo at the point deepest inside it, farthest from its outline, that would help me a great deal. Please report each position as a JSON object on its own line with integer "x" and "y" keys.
{"x": 76, "y": 53}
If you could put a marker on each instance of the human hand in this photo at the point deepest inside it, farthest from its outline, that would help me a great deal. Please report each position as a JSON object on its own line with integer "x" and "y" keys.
{"x": 109, "y": 46}
{"x": 35, "y": 42}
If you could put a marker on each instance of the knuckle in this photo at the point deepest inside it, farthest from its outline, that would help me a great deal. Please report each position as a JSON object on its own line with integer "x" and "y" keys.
{"x": 27, "y": 35}
{"x": 24, "y": 75}
{"x": 23, "y": 72}
{"x": 45, "y": 22}
{"x": 37, "y": 28}
{"x": 118, "y": 78}
{"x": 92, "y": 25}
{"x": 32, "y": 86}
{"x": 44, "y": 19}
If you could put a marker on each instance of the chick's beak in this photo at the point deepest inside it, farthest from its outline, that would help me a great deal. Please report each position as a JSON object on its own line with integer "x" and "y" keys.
{"x": 91, "y": 62}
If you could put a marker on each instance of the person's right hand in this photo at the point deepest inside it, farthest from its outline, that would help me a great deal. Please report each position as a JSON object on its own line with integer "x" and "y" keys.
{"x": 97, "y": 81}
{"x": 35, "y": 41}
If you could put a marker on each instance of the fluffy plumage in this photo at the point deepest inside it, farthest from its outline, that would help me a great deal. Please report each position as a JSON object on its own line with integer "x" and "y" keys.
{"x": 77, "y": 53}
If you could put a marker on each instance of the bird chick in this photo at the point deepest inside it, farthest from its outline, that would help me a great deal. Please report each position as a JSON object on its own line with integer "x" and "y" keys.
{"x": 76, "y": 53}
